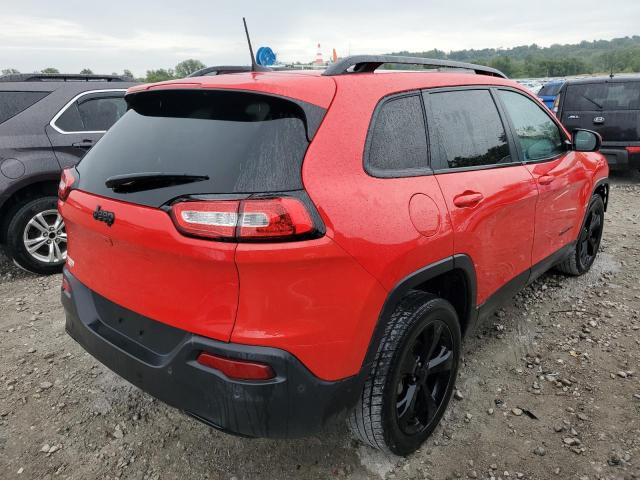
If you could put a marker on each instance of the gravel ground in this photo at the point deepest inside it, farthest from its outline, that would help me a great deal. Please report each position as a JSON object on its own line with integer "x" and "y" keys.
{"x": 549, "y": 388}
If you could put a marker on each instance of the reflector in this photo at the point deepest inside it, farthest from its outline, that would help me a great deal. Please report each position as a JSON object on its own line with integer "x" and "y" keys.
{"x": 237, "y": 369}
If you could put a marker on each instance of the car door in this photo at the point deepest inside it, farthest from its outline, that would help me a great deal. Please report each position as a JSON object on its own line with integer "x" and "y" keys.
{"x": 82, "y": 122}
{"x": 490, "y": 195}
{"x": 559, "y": 173}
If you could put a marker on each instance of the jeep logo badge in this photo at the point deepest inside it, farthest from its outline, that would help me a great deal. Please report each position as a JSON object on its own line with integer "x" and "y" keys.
{"x": 104, "y": 216}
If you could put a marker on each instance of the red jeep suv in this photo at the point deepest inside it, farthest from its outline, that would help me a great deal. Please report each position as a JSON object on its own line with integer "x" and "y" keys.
{"x": 267, "y": 251}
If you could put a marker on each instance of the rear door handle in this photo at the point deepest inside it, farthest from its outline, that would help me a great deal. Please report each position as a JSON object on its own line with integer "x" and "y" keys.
{"x": 546, "y": 179}
{"x": 467, "y": 199}
{"x": 86, "y": 144}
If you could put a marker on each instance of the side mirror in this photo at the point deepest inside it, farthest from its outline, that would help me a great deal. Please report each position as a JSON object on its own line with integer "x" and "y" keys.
{"x": 586, "y": 140}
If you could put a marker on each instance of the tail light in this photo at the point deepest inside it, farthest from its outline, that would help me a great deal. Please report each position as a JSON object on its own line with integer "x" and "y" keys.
{"x": 67, "y": 179}
{"x": 633, "y": 149}
{"x": 237, "y": 369}
{"x": 279, "y": 218}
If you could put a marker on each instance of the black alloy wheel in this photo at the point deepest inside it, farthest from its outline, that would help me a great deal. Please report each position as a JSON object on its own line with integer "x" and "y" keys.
{"x": 424, "y": 376}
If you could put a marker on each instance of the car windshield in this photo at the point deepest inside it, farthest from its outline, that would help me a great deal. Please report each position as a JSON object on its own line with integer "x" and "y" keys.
{"x": 603, "y": 96}
{"x": 241, "y": 142}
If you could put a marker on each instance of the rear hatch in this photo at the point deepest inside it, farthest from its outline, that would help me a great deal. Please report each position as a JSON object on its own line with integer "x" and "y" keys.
{"x": 175, "y": 148}
{"x": 611, "y": 108}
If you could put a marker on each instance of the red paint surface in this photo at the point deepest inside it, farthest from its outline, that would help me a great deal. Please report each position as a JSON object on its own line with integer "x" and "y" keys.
{"x": 142, "y": 263}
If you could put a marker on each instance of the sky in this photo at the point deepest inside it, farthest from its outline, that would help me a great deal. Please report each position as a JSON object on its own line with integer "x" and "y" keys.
{"x": 139, "y": 35}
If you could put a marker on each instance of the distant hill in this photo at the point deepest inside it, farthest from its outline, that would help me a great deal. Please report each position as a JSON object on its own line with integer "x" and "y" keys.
{"x": 598, "y": 56}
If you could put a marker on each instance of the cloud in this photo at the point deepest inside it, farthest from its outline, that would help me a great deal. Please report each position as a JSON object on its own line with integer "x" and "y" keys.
{"x": 147, "y": 34}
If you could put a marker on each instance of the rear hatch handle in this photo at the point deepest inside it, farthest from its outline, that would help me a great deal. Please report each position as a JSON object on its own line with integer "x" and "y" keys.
{"x": 136, "y": 182}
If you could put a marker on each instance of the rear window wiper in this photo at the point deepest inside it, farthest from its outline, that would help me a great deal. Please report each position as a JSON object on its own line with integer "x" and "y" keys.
{"x": 592, "y": 101}
{"x": 136, "y": 182}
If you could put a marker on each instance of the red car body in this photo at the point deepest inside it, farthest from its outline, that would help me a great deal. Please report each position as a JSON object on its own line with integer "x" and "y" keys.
{"x": 321, "y": 300}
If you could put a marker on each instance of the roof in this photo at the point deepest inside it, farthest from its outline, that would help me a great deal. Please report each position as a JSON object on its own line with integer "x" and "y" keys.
{"x": 61, "y": 77}
{"x": 313, "y": 87}
{"x": 604, "y": 79}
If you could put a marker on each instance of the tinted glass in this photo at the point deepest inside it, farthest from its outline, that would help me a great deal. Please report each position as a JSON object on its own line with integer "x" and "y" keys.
{"x": 101, "y": 113}
{"x": 550, "y": 90}
{"x": 12, "y": 103}
{"x": 91, "y": 114}
{"x": 603, "y": 96}
{"x": 467, "y": 130}
{"x": 538, "y": 135}
{"x": 244, "y": 143}
{"x": 398, "y": 139}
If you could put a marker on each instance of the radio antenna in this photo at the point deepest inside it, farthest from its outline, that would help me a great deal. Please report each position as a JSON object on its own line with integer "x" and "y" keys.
{"x": 254, "y": 66}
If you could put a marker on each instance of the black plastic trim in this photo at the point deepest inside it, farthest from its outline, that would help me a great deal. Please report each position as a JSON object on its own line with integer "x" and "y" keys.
{"x": 395, "y": 296}
{"x": 370, "y": 63}
{"x": 602, "y": 182}
{"x": 295, "y": 403}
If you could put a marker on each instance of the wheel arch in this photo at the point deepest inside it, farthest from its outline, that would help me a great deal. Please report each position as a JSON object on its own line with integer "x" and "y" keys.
{"x": 601, "y": 187}
{"x": 41, "y": 185}
{"x": 452, "y": 278}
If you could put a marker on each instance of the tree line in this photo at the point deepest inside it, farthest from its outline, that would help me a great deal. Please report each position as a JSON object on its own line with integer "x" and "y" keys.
{"x": 181, "y": 70}
{"x": 620, "y": 55}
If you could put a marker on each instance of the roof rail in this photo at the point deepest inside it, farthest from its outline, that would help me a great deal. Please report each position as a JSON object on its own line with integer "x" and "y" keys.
{"x": 60, "y": 77}
{"x": 369, "y": 63}
{"x": 220, "y": 70}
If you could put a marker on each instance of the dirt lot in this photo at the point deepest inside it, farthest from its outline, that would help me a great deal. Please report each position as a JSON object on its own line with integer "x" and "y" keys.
{"x": 549, "y": 388}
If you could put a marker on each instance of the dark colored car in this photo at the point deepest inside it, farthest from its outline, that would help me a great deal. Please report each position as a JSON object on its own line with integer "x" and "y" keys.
{"x": 549, "y": 92}
{"x": 267, "y": 251}
{"x": 47, "y": 123}
{"x": 611, "y": 107}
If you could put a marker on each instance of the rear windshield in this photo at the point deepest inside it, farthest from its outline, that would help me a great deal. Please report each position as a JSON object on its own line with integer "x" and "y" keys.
{"x": 550, "y": 90}
{"x": 603, "y": 96}
{"x": 244, "y": 142}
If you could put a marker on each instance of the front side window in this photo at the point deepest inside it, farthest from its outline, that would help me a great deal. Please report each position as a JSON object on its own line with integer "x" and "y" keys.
{"x": 398, "y": 139}
{"x": 92, "y": 113}
{"x": 538, "y": 135}
{"x": 466, "y": 129}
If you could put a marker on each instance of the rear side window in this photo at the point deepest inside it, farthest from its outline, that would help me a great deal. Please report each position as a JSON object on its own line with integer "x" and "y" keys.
{"x": 244, "y": 142}
{"x": 466, "y": 130}
{"x": 538, "y": 135}
{"x": 603, "y": 96}
{"x": 92, "y": 113}
{"x": 12, "y": 103}
{"x": 398, "y": 139}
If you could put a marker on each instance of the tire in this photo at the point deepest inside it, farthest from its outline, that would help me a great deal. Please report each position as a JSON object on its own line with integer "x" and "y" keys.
{"x": 382, "y": 417}
{"x": 586, "y": 249}
{"x": 43, "y": 212}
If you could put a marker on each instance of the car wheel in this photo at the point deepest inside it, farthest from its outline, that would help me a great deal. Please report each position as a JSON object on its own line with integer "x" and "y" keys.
{"x": 36, "y": 236}
{"x": 412, "y": 378}
{"x": 586, "y": 249}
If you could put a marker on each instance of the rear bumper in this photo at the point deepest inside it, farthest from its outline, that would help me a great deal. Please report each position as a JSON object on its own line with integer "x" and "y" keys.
{"x": 161, "y": 360}
{"x": 619, "y": 158}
